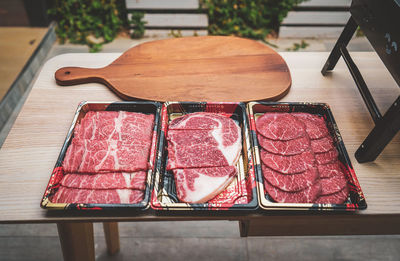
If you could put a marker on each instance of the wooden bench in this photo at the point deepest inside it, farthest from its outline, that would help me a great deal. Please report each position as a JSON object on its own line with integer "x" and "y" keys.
{"x": 166, "y": 17}
{"x": 315, "y": 19}
{"x": 310, "y": 19}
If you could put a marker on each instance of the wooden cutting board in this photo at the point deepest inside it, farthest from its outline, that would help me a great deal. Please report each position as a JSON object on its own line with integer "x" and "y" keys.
{"x": 208, "y": 68}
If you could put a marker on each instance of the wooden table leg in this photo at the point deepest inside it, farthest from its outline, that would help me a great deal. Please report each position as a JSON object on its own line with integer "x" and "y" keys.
{"x": 244, "y": 227}
{"x": 112, "y": 237}
{"x": 77, "y": 241}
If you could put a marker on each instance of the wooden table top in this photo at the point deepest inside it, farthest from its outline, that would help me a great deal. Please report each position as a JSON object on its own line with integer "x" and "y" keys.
{"x": 32, "y": 147}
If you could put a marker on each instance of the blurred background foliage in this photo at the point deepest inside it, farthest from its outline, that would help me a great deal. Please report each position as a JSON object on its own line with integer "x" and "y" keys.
{"x": 96, "y": 22}
{"x": 93, "y": 22}
{"x": 254, "y": 19}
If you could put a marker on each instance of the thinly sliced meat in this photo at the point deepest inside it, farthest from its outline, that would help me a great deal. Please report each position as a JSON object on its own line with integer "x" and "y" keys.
{"x": 116, "y": 180}
{"x": 290, "y": 182}
{"x": 315, "y": 125}
{"x": 97, "y": 125}
{"x": 280, "y": 126}
{"x": 333, "y": 184}
{"x": 330, "y": 169}
{"x": 286, "y": 148}
{"x": 326, "y": 157}
{"x": 336, "y": 198}
{"x": 198, "y": 185}
{"x": 288, "y": 164}
{"x": 202, "y": 148}
{"x": 91, "y": 156}
{"x": 97, "y": 196}
{"x": 322, "y": 145}
{"x": 308, "y": 195}
{"x": 115, "y": 125}
{"x": 200, "y": 121}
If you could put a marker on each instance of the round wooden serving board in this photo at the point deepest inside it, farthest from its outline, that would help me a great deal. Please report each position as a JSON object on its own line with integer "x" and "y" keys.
{"x": 209, "y": 68}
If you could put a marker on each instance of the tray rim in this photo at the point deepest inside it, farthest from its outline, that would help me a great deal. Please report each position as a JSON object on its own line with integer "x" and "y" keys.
{"x": 268, "y": 205}
{"x": 160, "y": 206}
{"x": 143, "y": 205}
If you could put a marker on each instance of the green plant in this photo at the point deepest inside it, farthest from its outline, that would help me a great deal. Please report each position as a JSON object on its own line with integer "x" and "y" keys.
{"x": 297, "y": 46}
{"x": 176, "y": 34}
{"x": 138, "y": 24}
{"x": 247, "y": 18}
{"x": 90, "y": 22}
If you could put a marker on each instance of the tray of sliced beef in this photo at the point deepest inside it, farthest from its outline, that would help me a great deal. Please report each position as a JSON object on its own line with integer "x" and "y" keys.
{"x": 108, "y": 158}
{"x": 205, "y": 159}
{"x": 300, "y": 158}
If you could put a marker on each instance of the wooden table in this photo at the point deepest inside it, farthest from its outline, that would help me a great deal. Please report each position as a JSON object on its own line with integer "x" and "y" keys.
{"x": 31, "y": 149}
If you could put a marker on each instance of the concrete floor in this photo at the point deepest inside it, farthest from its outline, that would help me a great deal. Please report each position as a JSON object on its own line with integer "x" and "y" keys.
{"x": 213, "y": 240}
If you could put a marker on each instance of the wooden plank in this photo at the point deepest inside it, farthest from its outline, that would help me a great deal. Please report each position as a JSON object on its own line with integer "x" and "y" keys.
{"x": 111, "y": 235}
{"x": 162, "y": 4}
{"x": 164, "y": 33}
{"x": 316, "y": 18}
{"x": 326, "y": 3}
{"x": 310, "y": 31}
{"x": 16, "y": 47}
{"x": 328, "y": 225}
{"x": 175, "y": 20}
{"x": 77, "y": 241}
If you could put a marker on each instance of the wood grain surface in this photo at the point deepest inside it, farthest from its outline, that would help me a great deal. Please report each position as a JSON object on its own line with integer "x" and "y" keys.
{"x": 32, "y": 147}
{"x": 207, "y": 68}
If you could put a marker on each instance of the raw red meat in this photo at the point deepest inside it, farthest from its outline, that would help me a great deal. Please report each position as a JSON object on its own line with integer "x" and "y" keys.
{"x": 287, "y": 148}
{"x": 336, "y": 198}
{"x": 203, "y": 148}
{"x": 91, "y": 156}
{"x": 198, "y": 185}
{"x": 330, "y": 169}
{"x": 326, "y": 157}
{"x": 308, "y": 195}
{"x": 280, "y": 126}
{"x": 290, "y": 182}
{"x": 202, "y": 151}
{"x": 315, "y": 125}
{"x": 98, "y": 196}
{"x": 201, "y": 121}
{"x": 322, "y": 145}
{"x": 116, "y": 180}
{"x": 115, "y": 125}
{"x": 293, "y": 162}
{"x": 288, "y": 164}
{"x": 333, "y": 184}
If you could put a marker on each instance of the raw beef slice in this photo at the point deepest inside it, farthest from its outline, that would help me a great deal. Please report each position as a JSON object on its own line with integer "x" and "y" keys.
{"x": 308, "y": 195}
{"x": 330, "y": 169}
{"x": 333, "y": 184}
{"x": 198, "y": 185}
{"x": 336, "y": 198}
{"x": 91, "y": 156}
{"x": 201, "y": 121}
{"x": 286, "y": 148}
{"x": 288, "y": 164}
{"x": 116, "y": 180}
{"x": 326, "y": 157}
{"x": 97, "y": 196}
{"x": 280, "y": 126}
{"x": 290, "y": 182}
{"x": 203, "y": 148}
{"x": 322, "y": 145}
{"x": 115, "y": 125}
{"x": 315, "y": 125}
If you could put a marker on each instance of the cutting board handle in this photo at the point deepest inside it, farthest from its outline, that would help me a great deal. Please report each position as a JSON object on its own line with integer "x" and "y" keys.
{"x": 78, "y": 75}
